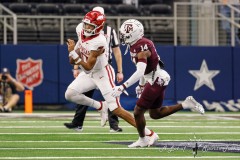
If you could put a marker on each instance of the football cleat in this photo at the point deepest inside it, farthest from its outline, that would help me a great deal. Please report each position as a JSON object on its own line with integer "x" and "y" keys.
{"x": 152, "y": 138}
{"x": 104, "y": 113}
{"x": 74, "y": 127}
{"x": 115, "y": 129}
{"x": 191, "y": 103}
{"x": 141, "y": 142}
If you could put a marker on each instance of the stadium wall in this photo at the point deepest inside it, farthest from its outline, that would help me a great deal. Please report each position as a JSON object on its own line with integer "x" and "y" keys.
{"x": 211, "y": 74}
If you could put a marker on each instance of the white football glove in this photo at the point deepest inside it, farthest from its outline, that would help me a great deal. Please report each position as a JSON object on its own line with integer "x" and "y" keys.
{"x": 139, "y": 89}
{"x": 117, "y": 91}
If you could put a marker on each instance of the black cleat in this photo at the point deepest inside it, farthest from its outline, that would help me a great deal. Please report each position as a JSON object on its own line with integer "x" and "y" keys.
{"x": 74, "y": 127}
{"x": 116, "y": 129}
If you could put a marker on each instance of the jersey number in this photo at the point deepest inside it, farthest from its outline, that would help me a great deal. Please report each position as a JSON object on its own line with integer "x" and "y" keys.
{"x": 144, "y": 48}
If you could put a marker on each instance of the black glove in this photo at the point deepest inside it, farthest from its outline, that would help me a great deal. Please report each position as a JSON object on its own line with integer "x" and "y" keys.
{"x": 161, "y": 64}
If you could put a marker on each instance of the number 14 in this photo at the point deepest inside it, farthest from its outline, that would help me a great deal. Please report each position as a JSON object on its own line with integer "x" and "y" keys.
{"x": 144, "y": 48}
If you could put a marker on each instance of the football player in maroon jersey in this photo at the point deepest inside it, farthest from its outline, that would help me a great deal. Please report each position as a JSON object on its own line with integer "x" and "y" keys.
{"x": 153, "y": 80}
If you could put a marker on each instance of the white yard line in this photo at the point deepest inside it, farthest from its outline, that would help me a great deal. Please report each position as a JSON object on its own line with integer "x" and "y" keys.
{"x": 153, "y": 121}
{"x": 96, "y": 115}
{"x": 134, "y": 133}
{"x": 128, "y": 157}
{"x": 85, "y": 148}
{"x": 78, "y": 148}
{"x": 179, "y": 140}
{"x": 220, "y": 127}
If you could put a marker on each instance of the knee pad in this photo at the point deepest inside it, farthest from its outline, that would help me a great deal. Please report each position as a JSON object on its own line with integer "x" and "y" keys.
{"x": 75, "y": 97}
{"x": 69, "y": 94}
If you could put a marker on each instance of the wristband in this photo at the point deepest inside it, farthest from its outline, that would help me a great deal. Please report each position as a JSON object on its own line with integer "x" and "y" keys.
{"x": 79, "y": 60}
{"x": 73, "y": 54}
{"x": 124, "y": 87}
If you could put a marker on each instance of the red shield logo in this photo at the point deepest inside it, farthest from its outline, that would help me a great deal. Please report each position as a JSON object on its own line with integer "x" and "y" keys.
{"x": 29, "y": 72}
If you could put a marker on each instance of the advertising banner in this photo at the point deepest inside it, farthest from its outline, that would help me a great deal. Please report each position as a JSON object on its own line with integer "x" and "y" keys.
{"x": 36, "y": 66}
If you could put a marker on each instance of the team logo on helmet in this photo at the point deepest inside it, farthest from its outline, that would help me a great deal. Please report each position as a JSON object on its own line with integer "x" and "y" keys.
{"x": 100, "y": 17}
{"x": 29, "y": 72}
{"x": 128, "y": 28}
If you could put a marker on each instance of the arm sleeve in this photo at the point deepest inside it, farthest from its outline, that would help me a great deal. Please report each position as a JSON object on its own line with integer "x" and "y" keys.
{"x": 141, "y": 67}
{"x": 142, "y": 81}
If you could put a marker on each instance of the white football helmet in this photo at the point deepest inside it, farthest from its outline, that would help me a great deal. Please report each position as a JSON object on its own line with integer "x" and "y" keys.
{"x": 131, "y": 31}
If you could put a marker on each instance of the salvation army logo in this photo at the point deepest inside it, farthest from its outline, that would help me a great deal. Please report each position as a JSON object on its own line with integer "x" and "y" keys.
{"x": 29, "y": 72}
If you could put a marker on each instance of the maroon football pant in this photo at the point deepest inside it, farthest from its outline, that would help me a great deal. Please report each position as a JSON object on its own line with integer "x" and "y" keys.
{"x": 152, "y": 96}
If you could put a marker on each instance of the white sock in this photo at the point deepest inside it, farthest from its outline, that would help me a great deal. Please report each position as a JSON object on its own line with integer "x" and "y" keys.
{"x": 91, "y": 103}
{"x": 147, "y": 131}
{"x": 184, "y": 105}
{"x": 97, "y": 105}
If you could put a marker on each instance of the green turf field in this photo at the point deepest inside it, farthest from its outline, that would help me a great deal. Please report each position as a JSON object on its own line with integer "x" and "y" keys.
{"x": 42, "y": 136}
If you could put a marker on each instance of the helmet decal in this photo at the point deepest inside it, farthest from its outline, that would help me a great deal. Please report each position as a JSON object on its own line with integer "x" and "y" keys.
{"x": 131, "y": 31}
{"x": 128, "y": 28}
{"x": 100, "y": 17}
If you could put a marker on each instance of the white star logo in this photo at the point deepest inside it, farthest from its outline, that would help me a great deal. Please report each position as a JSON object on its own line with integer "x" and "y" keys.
{"x": 204, "y": 76}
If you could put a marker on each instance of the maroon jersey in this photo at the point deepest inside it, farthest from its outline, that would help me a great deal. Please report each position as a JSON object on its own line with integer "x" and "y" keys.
{"x": 145, "y": 44}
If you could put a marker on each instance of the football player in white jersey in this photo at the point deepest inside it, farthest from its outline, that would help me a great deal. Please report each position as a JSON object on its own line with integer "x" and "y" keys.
{"x": 113, "y": 49}
{"x": 91, "y": 54}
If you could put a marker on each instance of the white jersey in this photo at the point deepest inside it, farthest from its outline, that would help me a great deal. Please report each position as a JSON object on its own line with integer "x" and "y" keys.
{"x": 85, "y": 45}
{"x": 102, "y": 75}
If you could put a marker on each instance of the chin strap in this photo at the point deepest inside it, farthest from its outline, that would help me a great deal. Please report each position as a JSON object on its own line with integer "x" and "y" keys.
{"x": 126, "y": 51}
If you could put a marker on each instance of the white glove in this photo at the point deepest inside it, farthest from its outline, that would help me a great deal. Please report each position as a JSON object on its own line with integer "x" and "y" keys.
{"x": 117, "y": 91}
{"x": 139, "y": 89}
